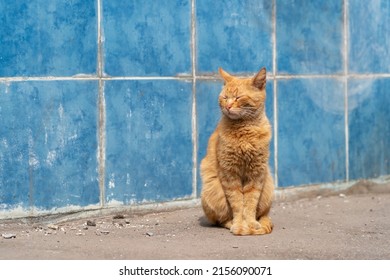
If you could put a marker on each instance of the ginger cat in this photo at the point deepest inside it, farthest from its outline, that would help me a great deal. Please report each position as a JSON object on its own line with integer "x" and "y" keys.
{"x": 237, "y": 189}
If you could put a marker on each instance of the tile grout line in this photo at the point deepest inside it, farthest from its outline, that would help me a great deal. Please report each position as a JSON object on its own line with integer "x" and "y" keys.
{"x": 275, "y": 101}
{"x": 194, "y": 113}
{"x": 168, "y": 78}
{"x": 191, "y": 77}
{"x": 100, "y": 40}
{"x": 101, "y": 110}
{"x": 346, "y": 62}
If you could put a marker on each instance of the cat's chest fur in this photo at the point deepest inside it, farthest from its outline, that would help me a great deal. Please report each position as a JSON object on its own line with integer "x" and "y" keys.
{"x": 243, "y": 150}
{"x": 243, "y": 142}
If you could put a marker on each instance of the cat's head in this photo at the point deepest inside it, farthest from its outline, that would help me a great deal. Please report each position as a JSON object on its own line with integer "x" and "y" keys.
{"x": 243, "y": 98}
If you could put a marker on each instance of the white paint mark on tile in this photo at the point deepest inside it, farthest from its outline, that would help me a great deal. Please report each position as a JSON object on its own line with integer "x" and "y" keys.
{"x": 128, "y": 180}
{"x": 5, "y": 143}
{"x": 73, "y": 137}
{"x": 61, "y": 111}
{"x": 51, "y": 157}
{"x": 32, "y": 157}
{"x": 111, "y": 183}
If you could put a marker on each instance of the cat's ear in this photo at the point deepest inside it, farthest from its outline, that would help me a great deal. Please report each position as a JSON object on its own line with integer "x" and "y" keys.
{"x": 225, "y": 75}
{"x": 259, "y": 80}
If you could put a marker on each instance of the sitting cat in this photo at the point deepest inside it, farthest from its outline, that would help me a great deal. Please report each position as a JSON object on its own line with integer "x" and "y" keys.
{"x": 237, "y": 189}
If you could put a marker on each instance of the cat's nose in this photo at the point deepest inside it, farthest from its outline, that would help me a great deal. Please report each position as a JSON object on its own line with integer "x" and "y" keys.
{"x": 228, "y": 106}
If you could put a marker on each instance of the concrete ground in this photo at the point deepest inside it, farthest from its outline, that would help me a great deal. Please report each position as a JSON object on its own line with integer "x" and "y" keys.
{"x": 353, "y": 224}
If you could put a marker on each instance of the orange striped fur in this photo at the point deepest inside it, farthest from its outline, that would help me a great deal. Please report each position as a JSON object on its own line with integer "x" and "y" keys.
{"x": 237, "y": 186}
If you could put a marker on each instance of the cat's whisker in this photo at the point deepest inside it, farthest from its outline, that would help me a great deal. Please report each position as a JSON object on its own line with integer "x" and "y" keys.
{"x": 250, "y": 112}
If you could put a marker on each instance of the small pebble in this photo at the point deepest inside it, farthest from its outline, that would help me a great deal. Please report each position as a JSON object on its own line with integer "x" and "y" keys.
{"x": 119, "y": 216}
{"x": 91, "y": 223}
{"x": 53, "y": 227}
{"x": 8, "y": 235}
{"x": 149, "y": 233}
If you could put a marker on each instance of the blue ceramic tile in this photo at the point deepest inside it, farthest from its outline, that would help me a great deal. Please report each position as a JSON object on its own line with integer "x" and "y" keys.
{"x": 48, "y": 144}
{"x": 14, "y": 162}
{"x": 208, "y": 112}
{"x": 149, "y": 141}
{"x": 56, "y": 38}
{"x": 369, "y": 36}
{"x": 235, "y": 35}
{"x": 208, "y": 116}
{"x": 369, "y": 129}
{"x": 309, "y": 36}
{"x": 311, "y": 134}
{"x": 147, "y": 38}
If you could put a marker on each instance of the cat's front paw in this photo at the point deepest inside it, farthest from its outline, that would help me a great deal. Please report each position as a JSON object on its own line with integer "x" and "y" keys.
{"x": 236, "y": 229}
{"x": 239, "y": 229}
{"x": 254, "y": 225}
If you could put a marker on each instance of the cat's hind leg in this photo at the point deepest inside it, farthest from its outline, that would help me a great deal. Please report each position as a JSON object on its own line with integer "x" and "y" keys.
{"x": 215, "y": 205}
{"x": 228, "y": 224}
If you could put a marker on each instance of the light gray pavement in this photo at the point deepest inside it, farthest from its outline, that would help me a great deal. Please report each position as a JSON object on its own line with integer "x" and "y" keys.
{"x": 353, "y": 224}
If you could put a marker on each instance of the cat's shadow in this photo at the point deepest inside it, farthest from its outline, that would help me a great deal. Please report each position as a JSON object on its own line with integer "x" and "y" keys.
{"x": 203, "y": 222}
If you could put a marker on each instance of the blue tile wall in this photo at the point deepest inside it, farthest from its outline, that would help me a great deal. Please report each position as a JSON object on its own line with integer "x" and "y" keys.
{"x": 48, "y": 144}
{"x": 14, "y": 153}
{"x": 369, "y": 129}
{"x": 369, "y": 27}
{"x": 311, "y": 139}
{"x": 208, "y": 112}
{"x": 149, "y": 140}
{"x": 107, "y": 103}
{"x": 41, "y": 38}
{"x": 309, "y": 36}
{"x": 236, "y": 35}
{"x": 146, "y": 38}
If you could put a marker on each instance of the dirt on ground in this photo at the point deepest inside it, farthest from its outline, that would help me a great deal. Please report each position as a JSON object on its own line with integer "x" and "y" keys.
{"x": 354, "y": 224}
